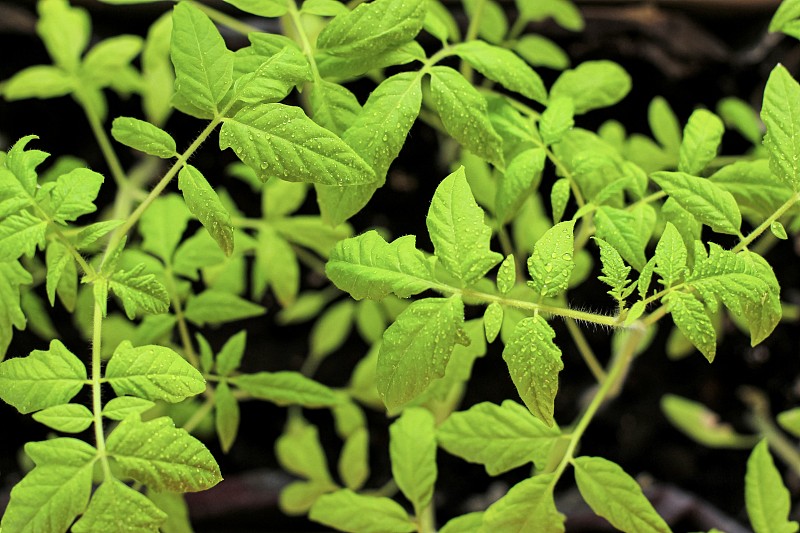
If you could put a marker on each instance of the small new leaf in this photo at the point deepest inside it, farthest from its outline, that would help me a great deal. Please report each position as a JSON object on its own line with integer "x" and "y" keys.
{"x": 528, "y": 506}
{"x": 701, "y": 138}
{"x": 204, "y": 203}
{"x": 670, "y": 256}
{"x": 143, "y": 136}
{"x": 551, "y": 263}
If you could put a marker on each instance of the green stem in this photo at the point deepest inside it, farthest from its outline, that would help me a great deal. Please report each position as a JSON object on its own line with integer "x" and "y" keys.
{"x": 104, "y": 142}
{"x": 183, "y": 328}
{"x": 97, "y": 400}
{"x": 201, "y": 411}
{"x": 586, "y": 351}
{"x": 761, "y": 420}
{"x": 767, "y": 223}
{"x": 617, "y": 371}
{"x": 308, "y": 50}
{"x": 425, "y": 520}
{"x": 224, "y": 19}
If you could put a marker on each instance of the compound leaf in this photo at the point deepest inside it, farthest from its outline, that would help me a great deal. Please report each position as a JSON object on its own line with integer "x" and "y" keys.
{"x": 460, "y": 237}
{"x": 417, "y": 347}
{"x": 500, "y": 437}
{"x": 162, "y": 456}
{"x": 42, "y": 379}
{"x": 368, "y": 267}
{"x": 614, "y": 495}
{"x": 153, "y": 373}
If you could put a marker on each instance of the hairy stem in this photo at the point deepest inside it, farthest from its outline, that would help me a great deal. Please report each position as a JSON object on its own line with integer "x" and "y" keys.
{"x": 586, "y": 351}
{"x": 201, "y": 411}
{"x": 767, "y": 223}
{"x": 104, "y": 142}
{"x": 761, "y": 419}
{"x": 97, "y": 400}
{"x": 183, "y": 328}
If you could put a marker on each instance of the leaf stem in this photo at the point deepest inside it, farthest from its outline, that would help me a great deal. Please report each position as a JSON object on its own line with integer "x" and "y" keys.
{"x": 183, "y": 329}
{"x": 97, "y": 401}
{"x": 618, "y": 369}
{"x": 104, "y": 142}
{"x": 225, "y": 19}
{"x": 586, "y": 351}
{"x": 767, "y": 223}
{"x": 761, "y": 420}
{"x": 201, "y": 411}
{"x": 308, "y": 50}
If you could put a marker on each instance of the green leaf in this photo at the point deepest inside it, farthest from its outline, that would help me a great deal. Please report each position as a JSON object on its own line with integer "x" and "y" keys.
{"x": 614, "y": 495}
{"x": 68, "y": 418}
{"x": 377, "y": 134}
{"x": 744, "y": 282}
{"x": 74, "y": 194}
{"x": 368, "y": 267}
{"x": 559, "y": 196}
{"x": 592, "y": 85}
{"x": 65, "y": 31}
{"x": 701, "y": 424}
{"x": 117, "y": 507}
{"x": 619, "y": 228}
{"x": 541, "y": 52}
{"x": 493, "y": 320}
{"x": 94, "y": 232}
{"x": 739, "y": 115}
{"x": 162, "y": 226}
{"x": 780, "y": 113}
{"x": 551, "y": 263}
{"x": 757, "y": 191}
{"x": 670, "y": 256}
{"x": 507, "y": 275}
{"x": 42, "y": 379}
{"x": 143, "y": 136}
{"x": 564, "y": 13}
{"x": 412, "y": 449}
{"x": 521, "y": 178}
{"x": 556, "y": 120}
{"x": 460, "y": 237}
{"x": 125, "y": 406}
{"x": 60, "y": 266}
{"x": 204, "y": 203}
{"x": 504, "y": 67}
{"x": 527, "y": 506}
{"x": 139, "y": 291}
{"x": 22, "y": 165}
{"x": 785, "y": 18}
{"x": 281, "y": 141}
{"x": 276, "y": 265}
{"x": 300, "y": 452}
{"x": 297, "y": 497}
{"x": 500, "y": 437}
{"x": 615, "y": 272}
{"x": 691, "y": 318}
{"x": 492, "y": 23}
{"x": 332, "y": 329}
{"x": 790, "y": 420}
{"x": 347, "y": 511}
{"x": 230, "y": 356}
{"x": 153, "y": 373}
{"x": 417, "y": 347}
{"x": 226, "y": 416}
{"x": 197, "y": 252}
{"x": 20, "y": 235}
{"x": 162, "y": 456}
{"x": 263, "y": 8}
{"x": 174, "y": 505}
{"x": 373, "y": 28}
{"x": 203, "y": 65}
{"x": 466, "y": 523}
{"x": 109, "y": 61}
{"x": 353, "y": 461}
{"x": 464, "y": 113}
{"x": 778, "y": 230}
{"x": 333, "y": 107}
{"x": 286, "y": 388}
{"x": 534, "y": 362}
{"x": 323, "y": 8}
{"x": 766, "y": 497}
{"x": 701, "y": 138}
{"x": 273, "y": 79}
{"x": 158, "y": 76}
{"x": 216, "y": 307}
{"x": 56, "y": 491}
{"x": 664, "y": 125}
{"x": 40, "y": 81}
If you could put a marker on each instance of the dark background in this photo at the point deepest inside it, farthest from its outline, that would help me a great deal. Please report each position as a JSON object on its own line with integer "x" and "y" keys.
{"x": 691, "y": 52}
